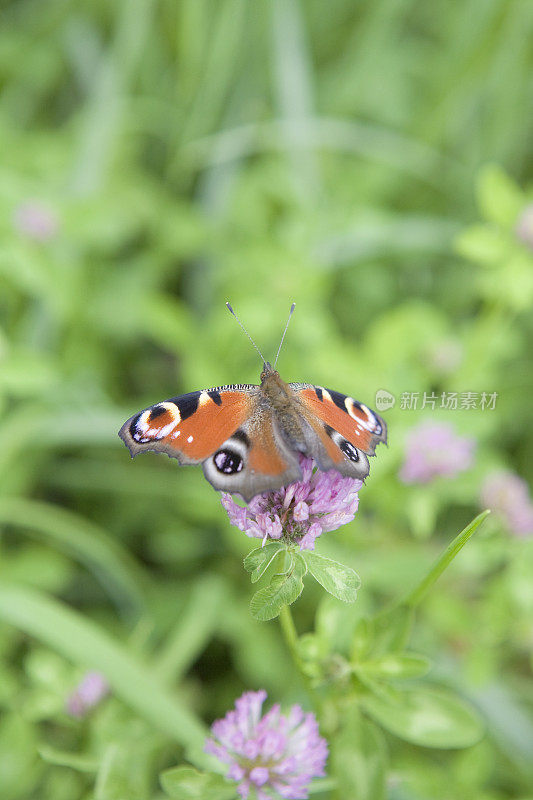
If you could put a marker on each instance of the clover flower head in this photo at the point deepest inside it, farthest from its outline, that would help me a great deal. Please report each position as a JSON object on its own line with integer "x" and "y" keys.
{"x": 508, "y": 496}
{"x": 276, "y": 752}
{"x": 434, "y": 449}
{"x": 35, "y": 221}
{"x": 301, "y": 511}
{"x": 92, "y": 688}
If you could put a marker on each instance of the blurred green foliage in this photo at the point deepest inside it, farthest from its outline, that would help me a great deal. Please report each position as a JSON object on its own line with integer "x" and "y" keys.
{"x": 363, "y": 159}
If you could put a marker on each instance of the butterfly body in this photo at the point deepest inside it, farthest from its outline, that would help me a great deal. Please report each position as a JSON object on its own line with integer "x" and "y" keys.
{"x": 282, "y": 399}
{"x": 248, "y": 438}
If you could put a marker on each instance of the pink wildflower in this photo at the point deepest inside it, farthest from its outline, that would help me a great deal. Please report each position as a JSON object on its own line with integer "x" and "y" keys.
{"x": 35, "y": 221}
{"x": 301, "y": 511}
{"x": 92, "y": 688}
{"x": 274, "y": 753}
{"x": 434, "y": 449}
{"x": 508, "y": 495}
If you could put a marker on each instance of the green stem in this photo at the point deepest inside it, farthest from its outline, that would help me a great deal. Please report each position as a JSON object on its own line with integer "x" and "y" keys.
{"x": 290, "y": 635}
{"x": 419, "y": 592}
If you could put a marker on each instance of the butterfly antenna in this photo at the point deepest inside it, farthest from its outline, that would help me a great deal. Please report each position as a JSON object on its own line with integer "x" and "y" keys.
{"x": 291, "y": 312}
{"x": 230, "y": 309}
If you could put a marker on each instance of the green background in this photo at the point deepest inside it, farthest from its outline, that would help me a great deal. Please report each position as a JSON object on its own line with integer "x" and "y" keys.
{"x": 368, "y": 160}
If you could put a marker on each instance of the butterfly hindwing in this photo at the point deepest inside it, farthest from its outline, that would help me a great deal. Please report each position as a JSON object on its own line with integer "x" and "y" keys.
{"x": 254, "y": 459}
{"x": 347, "y": 429}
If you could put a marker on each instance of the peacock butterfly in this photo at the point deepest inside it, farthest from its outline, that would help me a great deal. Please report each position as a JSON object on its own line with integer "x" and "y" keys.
{"x": 248, "y": 437}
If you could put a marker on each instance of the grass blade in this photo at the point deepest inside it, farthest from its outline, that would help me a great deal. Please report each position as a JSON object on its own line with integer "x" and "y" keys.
{"x": 417, "y": 595}
{"x": 115, "y": 569}
{"x": 84, "y": 643}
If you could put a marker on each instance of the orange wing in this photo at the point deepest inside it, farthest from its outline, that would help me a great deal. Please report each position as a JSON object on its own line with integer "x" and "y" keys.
{"x": 354, "y": 421}
{"x": 227, "y": 429}
{"x": 191, "y": 427}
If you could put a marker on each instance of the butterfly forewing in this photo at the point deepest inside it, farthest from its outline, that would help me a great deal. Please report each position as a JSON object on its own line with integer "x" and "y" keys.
{"x": 190, "y": 427}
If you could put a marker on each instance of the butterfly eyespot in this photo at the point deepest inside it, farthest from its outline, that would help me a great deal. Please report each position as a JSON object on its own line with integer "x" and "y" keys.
{"x": 349, "y": 450}
{"x": 228, "y": 461}
{"x": 156, "y": 412}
